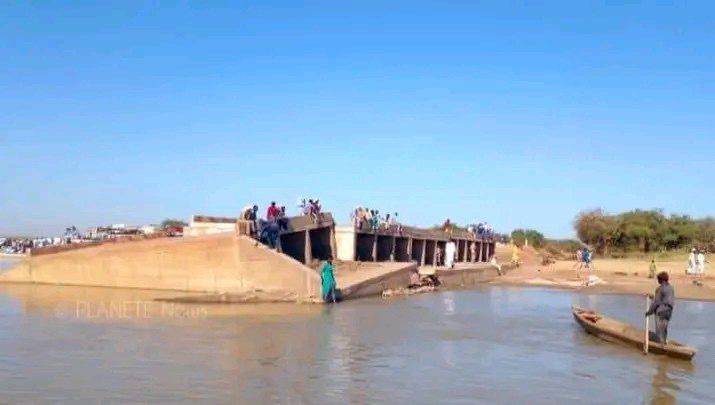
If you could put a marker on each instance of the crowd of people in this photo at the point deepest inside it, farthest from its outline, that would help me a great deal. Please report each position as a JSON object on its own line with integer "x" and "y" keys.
{"x": 311, "y": 208}
{"x": 695, "y": 265}
{"x": 696, "y": 262}
{"x": 370, "y": 219}
{"x": 267, "y": 230}
{"x": 482, "y": 230}
{"x": 23, "y": 245}
{"x": 16, "y": 246}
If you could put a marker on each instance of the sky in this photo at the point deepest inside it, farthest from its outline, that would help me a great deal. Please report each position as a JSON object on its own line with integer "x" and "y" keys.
{"x": 520, "y": 114}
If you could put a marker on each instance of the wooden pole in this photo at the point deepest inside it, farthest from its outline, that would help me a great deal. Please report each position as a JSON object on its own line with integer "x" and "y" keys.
{"x": 647, "y": 333}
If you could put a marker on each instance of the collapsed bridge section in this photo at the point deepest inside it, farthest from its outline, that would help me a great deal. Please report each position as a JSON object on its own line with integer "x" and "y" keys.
{"x": 410, "y": 244}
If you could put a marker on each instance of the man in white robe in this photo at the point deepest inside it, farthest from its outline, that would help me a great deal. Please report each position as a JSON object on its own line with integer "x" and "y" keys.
{"x": 692, "y": 263}
{"x": 449, "y": 252}
{"x": 701, "y": 263}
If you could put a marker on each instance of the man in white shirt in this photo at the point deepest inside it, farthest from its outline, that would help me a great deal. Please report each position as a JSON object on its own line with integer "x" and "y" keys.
{"x": 701, "y": 263}
{"x": 449, "y": 253}
{"x": 692, "y": 263}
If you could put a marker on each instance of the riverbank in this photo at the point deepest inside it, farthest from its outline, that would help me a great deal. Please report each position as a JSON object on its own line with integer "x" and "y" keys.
{"x": 614, "y": 276}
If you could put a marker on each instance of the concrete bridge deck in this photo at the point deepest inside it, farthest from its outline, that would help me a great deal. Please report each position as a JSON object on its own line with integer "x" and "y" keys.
{"x": 222, "y": 261}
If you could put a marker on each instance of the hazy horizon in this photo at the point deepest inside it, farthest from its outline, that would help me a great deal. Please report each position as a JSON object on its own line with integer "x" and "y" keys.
{"x": 519, "y": 115}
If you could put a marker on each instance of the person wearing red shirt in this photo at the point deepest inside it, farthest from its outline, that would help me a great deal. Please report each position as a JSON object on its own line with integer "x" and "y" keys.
{"x": 273, "y": 212}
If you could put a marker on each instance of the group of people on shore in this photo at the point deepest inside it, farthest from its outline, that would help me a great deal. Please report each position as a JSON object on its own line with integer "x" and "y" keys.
{"x": 19, "y": 246}
{"x": 695, "y": 266}
{"x": 584, "y": 259}
{"x": 696, "y": 262}
{"x": 364, "y": 218}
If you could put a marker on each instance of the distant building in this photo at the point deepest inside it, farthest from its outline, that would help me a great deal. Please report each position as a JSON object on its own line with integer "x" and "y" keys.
{"x": 207, "y": 225}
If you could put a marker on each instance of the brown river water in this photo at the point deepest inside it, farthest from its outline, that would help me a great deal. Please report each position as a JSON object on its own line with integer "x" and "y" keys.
{"x": 493, "y": 344}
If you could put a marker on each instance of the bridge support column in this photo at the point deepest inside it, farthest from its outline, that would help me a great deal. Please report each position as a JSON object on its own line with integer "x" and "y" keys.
{"x": 392, "y": 250}
{"x": 434, "y": 254}
{"x": 424, "y": 250}
{"x": 308, "y": 248}
{"x": 334, "y": 243}
{"x": 374, "y": 248}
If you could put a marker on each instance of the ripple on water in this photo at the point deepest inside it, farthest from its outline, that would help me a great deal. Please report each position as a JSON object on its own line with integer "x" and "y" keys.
{"x": 505, "y": 344}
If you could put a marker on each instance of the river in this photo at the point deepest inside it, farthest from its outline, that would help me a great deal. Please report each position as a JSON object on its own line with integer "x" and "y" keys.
{"x": 495, "y": 344}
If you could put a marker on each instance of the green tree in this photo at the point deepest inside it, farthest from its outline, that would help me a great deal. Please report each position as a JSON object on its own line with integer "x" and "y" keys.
{"x": 520, "y": 236}
{"x": 169, "y": 223}
{"x": 597, "y": 229}
{"x": 643, "y": 230}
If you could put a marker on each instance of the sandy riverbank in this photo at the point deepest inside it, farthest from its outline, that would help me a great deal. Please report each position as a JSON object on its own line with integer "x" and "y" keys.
{"x": 617, "y": 276}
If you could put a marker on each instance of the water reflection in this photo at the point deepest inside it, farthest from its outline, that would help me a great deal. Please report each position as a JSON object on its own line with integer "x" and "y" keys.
{"x": 8, "y": 262}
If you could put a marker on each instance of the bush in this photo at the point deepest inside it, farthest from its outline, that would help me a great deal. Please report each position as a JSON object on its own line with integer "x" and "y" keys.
{"x": 643, "y": 231}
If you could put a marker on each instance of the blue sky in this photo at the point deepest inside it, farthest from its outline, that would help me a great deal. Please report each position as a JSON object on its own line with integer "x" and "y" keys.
{"x": 517, "y": 114}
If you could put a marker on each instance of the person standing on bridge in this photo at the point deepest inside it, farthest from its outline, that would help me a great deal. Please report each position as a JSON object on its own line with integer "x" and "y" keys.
{"x": 273, "y": 212}
{"x": 327, "y": 277}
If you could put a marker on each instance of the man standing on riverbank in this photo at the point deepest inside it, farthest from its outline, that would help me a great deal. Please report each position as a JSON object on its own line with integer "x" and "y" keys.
{"x": 662, "y": 307}
{"x": 692, "y": 263}
{"x": 586, "y": 257}
{"x": 701, "y": 263}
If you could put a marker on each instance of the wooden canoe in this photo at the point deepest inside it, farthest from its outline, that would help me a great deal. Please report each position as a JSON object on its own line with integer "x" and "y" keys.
{"x": 614, "y": 331}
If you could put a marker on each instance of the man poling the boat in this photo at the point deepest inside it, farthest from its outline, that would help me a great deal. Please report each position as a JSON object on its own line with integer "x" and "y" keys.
{"x": 662, "y": 307}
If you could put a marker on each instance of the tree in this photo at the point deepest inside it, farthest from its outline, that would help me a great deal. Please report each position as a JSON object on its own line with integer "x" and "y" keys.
{"x": 597, "y": 229}
{"x": 170, "y": 223}
{"x": 520, "y": 236}
{"x": 643, "y": 230}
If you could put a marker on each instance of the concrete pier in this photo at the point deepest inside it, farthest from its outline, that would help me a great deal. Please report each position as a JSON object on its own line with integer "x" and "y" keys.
{"x": 303, "y": 238}
{"x": 362, "y": 279}
{"x": 466, "y": 275}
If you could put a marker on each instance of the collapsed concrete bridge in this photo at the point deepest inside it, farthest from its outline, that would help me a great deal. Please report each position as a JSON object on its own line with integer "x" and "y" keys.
{"x": 212, "y": 258}
{"x": 218, "y": 256}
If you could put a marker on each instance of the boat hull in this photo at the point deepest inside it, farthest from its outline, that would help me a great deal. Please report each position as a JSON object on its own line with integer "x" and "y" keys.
{"x": 614, "y": 331}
